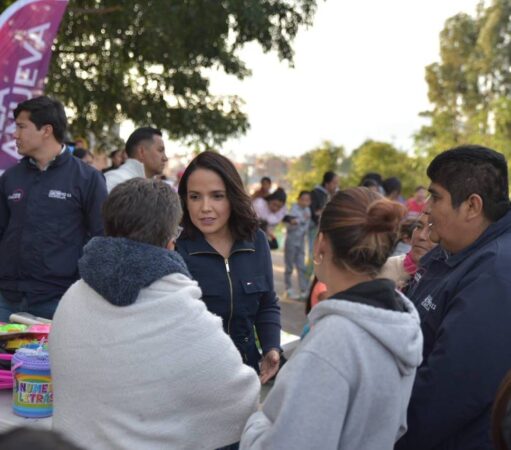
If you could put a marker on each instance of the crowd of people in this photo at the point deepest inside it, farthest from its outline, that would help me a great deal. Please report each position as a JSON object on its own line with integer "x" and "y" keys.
{"x": 301, "y": 223}
{"x": 166, "y": 321}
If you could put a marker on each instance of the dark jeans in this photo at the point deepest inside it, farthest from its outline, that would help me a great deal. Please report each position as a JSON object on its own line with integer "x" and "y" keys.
{"x": 41, "y": 309}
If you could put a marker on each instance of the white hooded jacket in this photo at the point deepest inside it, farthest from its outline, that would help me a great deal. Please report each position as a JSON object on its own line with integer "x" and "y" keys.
{"x": 144, "y": 365}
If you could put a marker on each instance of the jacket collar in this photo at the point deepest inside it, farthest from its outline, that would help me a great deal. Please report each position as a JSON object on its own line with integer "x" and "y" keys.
{"x": 118, "y": 268}
{"x": 200, "y": 245}
{"x": 492, "y": 232}
{"x": 380, "y": 293}
{"x": 135, "y": 167}
{"x": 61, "y": 158}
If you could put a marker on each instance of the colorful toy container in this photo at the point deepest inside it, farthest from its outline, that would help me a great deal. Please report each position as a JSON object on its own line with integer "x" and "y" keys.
{"x": 32, "y": 394}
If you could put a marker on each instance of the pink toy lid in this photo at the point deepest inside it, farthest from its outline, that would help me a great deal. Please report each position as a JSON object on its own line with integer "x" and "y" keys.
{"x": 40, "y": 328}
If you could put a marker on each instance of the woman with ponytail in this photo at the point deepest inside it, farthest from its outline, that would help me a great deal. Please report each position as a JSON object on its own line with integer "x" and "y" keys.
{"x": 348, "y": 384}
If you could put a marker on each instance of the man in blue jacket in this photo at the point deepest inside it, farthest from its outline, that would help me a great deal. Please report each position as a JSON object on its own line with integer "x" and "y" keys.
{"x": 463, "y": 295}
{"x": 50, "y": 206}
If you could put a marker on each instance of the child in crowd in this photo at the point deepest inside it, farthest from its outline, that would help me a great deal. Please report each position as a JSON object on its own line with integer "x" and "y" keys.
{"x": 294, "y": 247}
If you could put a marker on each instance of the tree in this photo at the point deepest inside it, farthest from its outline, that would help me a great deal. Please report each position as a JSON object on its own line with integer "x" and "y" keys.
{"x": 384, "y": 158}
{"x": 307, "y": 170}
{"x": 149, "y": 61}
{"x": 471, "y": 85}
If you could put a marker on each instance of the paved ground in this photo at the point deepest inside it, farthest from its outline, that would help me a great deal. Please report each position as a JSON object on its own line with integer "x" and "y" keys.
{"x": 293, "y": 311}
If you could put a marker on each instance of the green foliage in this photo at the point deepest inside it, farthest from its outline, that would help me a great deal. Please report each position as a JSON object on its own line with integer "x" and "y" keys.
{"x": 384, "y": 158}
{"x": 148, "y": 61}
{"x": 4, "y": 4}
{"x": 471, "y": 85}
{"x": 372, "y": 156}
{"x": 307, "y": 170}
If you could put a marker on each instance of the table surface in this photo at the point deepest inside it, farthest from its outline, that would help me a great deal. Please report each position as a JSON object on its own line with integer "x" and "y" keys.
{"x": 10, "y": 420}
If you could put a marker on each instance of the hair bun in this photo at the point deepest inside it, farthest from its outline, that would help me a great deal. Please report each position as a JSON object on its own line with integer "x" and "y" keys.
{"x": 383, "y": 216}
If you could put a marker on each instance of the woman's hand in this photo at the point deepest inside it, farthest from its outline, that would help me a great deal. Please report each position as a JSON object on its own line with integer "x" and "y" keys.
{"x": 269, "y": 366}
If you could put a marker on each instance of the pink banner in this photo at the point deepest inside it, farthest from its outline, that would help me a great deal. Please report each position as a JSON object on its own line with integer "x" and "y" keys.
{"x": 27, "y": 31}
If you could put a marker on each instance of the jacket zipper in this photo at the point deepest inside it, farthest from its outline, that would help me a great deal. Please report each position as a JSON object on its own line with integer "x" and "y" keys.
{"x": 245, "y": 358}
{"x": 230, "y": 290}
{"x": 228, "y": 270}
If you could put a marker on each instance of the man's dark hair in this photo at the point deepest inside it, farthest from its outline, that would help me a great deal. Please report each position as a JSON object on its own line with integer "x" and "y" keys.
{"x": 369, "y": 183}
{"x": 35, "y": 439}
{"x": 267, "y": 179}
{"x": 143, "y": 210}
{"x": 371, "y": 176}
{"x": 328, "y": 177}
{"x": 303, "y": 193}
{"x": 139, "y": 135}
{"x": 473, "y": 169}
{"x": 45, "y": 111}
{"x": 243, "y": 221}
{"x": 391, "y": 184}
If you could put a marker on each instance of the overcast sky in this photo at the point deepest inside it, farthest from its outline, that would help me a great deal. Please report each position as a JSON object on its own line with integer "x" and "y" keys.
{"x": 359, "y": 73}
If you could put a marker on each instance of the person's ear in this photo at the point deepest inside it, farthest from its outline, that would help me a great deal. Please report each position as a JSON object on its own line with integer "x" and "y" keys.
{"x": 47, "y": 130}
{"x": 171, "y": 245}
{"x": 140, "y": 152}
{"x": 319, "y": 249}
{"x": 473, "y": 207}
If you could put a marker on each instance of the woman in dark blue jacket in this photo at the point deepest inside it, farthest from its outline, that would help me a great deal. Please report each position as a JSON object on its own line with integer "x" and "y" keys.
{"x": 230, "y": 259}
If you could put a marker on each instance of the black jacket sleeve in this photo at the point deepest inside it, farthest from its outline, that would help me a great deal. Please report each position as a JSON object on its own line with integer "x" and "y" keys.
{"x": 96, "y": 195}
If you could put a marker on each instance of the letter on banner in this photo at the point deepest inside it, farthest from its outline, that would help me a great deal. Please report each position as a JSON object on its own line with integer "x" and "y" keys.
{"x": 27, "y": 31}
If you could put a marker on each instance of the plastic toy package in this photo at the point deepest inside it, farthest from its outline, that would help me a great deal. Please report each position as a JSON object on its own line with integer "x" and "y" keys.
{"x": 16, "y": 335}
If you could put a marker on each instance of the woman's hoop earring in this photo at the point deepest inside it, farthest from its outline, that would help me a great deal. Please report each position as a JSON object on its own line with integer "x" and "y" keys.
{"x": 317, "y": 263}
